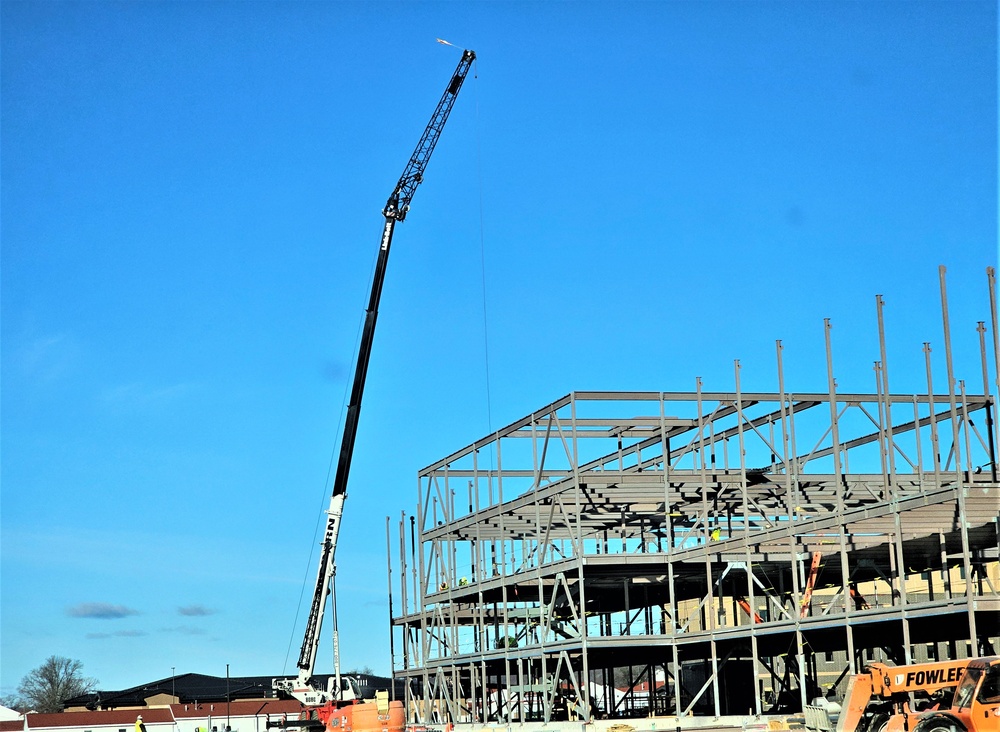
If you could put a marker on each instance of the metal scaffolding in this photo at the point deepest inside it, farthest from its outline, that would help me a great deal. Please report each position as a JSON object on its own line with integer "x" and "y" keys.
{"x": 625, "y": 554}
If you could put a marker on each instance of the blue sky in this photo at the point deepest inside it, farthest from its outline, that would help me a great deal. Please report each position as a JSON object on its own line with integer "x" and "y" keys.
{"x": 627, "y": 196}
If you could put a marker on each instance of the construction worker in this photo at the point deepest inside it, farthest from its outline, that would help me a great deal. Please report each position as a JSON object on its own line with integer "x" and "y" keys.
{"x": 139, "y": 726}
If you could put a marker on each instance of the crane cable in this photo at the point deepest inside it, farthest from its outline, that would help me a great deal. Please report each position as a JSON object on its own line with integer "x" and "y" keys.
{"x": 343, "y": 403}
{"x": 482, "y": 259}
{"x": 326, "y": 481}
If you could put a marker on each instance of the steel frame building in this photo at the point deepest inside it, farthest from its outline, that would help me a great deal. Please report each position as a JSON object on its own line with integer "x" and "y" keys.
{"x": 702, "y": 548}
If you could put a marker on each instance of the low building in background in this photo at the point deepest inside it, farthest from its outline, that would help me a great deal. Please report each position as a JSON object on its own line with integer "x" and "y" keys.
{"x": 184, "y": 703}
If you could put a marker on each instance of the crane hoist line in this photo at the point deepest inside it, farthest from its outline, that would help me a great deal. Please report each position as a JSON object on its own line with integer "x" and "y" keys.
{"x": 304, "y": 687}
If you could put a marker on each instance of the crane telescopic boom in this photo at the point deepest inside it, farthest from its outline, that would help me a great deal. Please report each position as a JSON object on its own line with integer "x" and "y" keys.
{"x": 396, "y": 208}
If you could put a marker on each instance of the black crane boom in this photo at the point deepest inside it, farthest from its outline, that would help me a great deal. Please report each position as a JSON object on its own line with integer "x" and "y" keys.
{"x": 395, "y": 210}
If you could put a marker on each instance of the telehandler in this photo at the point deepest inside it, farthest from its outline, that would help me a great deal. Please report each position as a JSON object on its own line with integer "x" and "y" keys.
{"x": 947, "y": 696}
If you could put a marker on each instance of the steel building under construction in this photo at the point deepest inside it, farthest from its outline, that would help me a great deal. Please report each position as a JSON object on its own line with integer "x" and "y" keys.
{"x": 690, "y": 554}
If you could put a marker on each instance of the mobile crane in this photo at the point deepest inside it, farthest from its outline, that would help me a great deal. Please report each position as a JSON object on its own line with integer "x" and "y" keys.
{"x": 338, "y": 706}
{"x": 883, "y": 698}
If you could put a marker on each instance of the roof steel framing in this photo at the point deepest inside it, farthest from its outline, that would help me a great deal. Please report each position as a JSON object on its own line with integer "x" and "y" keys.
{"x": 706, "y": 534}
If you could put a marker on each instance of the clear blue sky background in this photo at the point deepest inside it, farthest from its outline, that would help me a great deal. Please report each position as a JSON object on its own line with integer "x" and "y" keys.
{"x": 191, "y": 197}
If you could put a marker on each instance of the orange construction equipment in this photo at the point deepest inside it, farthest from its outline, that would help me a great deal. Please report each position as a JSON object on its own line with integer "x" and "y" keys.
{"x": 918, "y": 698}
{"x": 380, "y": 715}
{"x": 743, "y": 603}
{"x": 810, "y": 584}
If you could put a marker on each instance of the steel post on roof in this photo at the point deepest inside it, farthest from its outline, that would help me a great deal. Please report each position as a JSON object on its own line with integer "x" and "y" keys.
{"x": 422, "y": 592}
{"x": 890, "y": 445}
{"x": 791, "y": 470}
{"x": 504, "y": 585}
{"x": 897, "y": 541}
{"x": 479, "y": 625}
{"x": 671, "y": 542}
{"x": 935, "y": 442}
{"x": 883, "y": 440}
{"x": 840, "y": 488}
{"x": 919, "y": 441}
{"x": 991, "y": 405}
{"x": 956, "y": 442}
{"x": 995, "y": 327}
{"x": 578, "y": 550}
{"x": 746, "y": 537}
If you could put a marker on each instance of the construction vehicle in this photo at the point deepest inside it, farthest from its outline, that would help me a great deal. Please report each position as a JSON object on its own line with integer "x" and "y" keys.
{"x": 337, "y": 704}
{"x": 946, "y": 696}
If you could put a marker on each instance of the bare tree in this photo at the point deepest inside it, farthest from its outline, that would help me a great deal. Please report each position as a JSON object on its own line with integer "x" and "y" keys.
{"x": 12, "y": 702}
{"x": 46, "y": 688}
